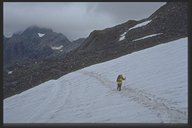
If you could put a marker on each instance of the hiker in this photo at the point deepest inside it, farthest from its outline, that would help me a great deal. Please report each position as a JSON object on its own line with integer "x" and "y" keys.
{"x": 119, "y": 81}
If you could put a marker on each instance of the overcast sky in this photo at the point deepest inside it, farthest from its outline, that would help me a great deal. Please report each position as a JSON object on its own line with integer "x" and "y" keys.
{"x": 73, "y": 19}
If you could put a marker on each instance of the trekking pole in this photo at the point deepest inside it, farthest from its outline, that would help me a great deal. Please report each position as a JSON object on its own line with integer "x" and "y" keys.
{"x": 125, "y": 81}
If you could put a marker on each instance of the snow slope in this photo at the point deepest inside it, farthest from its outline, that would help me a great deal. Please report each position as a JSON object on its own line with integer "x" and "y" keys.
{"x": 155, "y": 91}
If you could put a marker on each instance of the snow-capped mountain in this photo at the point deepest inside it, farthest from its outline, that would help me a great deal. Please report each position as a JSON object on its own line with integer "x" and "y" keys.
{"x": 155, "y": 91}
{"x": 35, "y": 43}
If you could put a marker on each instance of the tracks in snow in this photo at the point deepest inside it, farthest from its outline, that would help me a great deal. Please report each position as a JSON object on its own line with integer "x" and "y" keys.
{"x": 161, "y": 108}
{"x": 157, "y": 105}
{"x": 56, "y": 97}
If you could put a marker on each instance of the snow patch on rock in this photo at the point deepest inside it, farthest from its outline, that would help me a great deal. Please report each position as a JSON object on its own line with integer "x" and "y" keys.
{"x": 148, "y": 36}
{"x": 41, "y": 34}
{"x": 10, "y": 72}
{"x": 141, "y": 24}
{"x": 122, "y": 36}
{"x": 57, "y": 48}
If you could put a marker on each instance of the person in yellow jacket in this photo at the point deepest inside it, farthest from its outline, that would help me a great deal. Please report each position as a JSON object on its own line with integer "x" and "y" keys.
{"x": 119, "y": 81}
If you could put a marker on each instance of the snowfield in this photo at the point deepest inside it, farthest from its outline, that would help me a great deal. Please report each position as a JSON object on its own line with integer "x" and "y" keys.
{"x": 155, "y": 91}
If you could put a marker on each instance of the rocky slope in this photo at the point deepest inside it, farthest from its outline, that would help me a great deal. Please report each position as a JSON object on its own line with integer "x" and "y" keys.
{"x": 168, "y": 23}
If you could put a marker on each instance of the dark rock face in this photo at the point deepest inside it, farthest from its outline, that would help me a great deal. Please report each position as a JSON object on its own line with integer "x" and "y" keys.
{"x": 169, "y": 22}
{"x": 74, "y": 44}
{"x": 79, "y": 41}
{"x": 107, "y": 38}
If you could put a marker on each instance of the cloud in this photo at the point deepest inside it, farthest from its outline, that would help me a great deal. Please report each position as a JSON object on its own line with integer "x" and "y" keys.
{"x": 73, "y": 19}
{"x": 123, "y": 11}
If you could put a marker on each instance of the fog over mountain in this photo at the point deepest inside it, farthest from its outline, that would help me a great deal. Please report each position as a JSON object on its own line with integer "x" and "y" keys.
{"x": 73, "y": 19}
